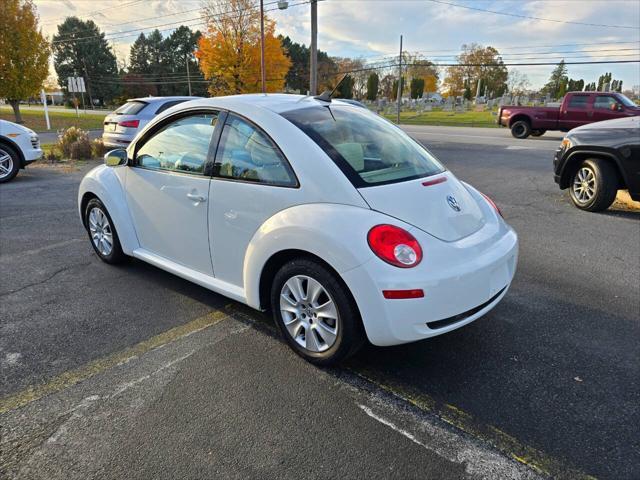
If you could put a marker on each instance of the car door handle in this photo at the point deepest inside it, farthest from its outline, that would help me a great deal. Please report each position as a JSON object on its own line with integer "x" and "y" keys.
{"x": 196, "y": 198}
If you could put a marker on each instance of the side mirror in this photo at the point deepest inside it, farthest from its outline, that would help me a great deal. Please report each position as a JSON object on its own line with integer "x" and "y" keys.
{"x": 115, "y": 158}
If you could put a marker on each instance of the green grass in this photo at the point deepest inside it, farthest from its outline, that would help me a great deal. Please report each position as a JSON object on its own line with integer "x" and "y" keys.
{"x": 37, "y": 122}
{"x": 440, "y": 117}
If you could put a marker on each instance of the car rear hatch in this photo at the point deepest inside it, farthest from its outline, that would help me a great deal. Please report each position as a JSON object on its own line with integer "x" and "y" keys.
{"x": 126, "y": 119}
{"x": 439, "y": 205}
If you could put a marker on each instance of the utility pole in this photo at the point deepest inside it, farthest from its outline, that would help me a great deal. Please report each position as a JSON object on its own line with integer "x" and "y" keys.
{"x": 399, "y": 83}
{"x": 188, "y": 74}
{"x": 313, "y": 83}
{"x": 262, "y": 73}
{"x": 88, "y": 86}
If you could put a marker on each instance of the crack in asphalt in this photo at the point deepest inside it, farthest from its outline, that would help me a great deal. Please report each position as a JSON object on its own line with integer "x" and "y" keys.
{"x": 40, "y": 282}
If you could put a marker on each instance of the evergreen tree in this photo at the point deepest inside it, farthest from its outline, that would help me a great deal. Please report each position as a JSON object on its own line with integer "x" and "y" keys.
{"x": 372, "y": 86}
{"x": 80, "y": 49}
{"x": 416, "y": 87}
{"x": 557, "y": 79}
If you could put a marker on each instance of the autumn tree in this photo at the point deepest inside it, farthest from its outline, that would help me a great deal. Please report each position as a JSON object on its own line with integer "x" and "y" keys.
{"x": 477, "y": 64}
{"x": 24, "y": 53}
{"x": 517, "y": 82}
{"x": 229, "y": 51}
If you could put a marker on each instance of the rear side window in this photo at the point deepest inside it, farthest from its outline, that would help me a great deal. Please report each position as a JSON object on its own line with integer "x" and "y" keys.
{"x": 246, "y": 153}
{"x": 168, "y": 105}
{"x": 131, "y": 108}
{"x": 368, "y": 149}
{"x": 579, "y": 101}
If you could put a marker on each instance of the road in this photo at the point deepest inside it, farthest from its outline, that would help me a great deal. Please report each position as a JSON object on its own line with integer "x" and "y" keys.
{"x": 130, "y": 371}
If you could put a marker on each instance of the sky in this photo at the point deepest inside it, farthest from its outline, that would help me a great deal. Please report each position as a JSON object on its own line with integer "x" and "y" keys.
{"x": 435, "y": 28}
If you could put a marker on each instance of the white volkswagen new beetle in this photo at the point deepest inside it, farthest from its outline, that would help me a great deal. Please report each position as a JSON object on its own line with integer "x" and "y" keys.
{"x": 321, "y": 211}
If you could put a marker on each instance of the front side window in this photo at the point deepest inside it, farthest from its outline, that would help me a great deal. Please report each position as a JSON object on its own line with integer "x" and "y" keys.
{"x": 625, "y": 100}
{"x": 578, "y": 101}
{"x": 368, "y": 149}
{"x": 246, "y": 153}
{"x": 181, "y": 146}
{"x": 605, "y": 102}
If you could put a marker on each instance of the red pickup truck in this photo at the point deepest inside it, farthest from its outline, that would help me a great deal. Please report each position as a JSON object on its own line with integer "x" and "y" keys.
{"x": 577, "y": 108}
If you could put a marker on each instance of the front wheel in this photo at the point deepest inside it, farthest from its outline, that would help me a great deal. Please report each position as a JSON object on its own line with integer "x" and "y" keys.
{"x": 315, "y": 313}
{"x": 521, "y": 129}
{"x": 9, "y": 163}
{"x": 594, "y": 185}
{"x": 102, "y": 232}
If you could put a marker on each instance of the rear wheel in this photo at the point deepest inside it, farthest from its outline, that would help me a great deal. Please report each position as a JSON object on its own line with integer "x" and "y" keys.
{"x": 538, "y": 133}
{"x": 9, "y": 163}
{"x": 314, "y": 312}
{"x": 521, "y": 129}
{"x": 103, "y": 235}
{"x": 594, "y": 185}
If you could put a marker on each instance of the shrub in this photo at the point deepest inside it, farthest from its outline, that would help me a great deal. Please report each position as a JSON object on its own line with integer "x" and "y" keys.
{"x": 68, "y": 138}
{"x": 81, "y": 149}
{"x": 98, "y": 148}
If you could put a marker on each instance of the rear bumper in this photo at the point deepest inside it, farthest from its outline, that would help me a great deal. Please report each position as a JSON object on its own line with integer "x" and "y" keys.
{"x": 462, "y": 281}
{"x": 116, "y": 140}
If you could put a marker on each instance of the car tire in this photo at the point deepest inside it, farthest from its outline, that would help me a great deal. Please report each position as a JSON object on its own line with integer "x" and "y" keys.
{"x": 521, "y": 129}
{"x": 102, "y": 232}
{"x": 320, "y": 334}
{"x": 538, "y": 133}
{"x": 10, "y": 163}
{"x": 594, "y": 185}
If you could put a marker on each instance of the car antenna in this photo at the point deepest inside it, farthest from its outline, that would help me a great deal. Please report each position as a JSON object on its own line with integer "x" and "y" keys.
{"x": 326, "y": 95}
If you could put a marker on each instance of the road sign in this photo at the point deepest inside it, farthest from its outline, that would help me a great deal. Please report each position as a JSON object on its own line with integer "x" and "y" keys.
{"x": 76, "y": 85}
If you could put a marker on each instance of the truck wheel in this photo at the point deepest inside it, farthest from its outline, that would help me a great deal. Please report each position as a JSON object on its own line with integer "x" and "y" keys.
{"x": 594, "y": 185}
{"x": 9, "y": 163}
{"x": 538, "y": 133}
{"x": 521, "y": 129}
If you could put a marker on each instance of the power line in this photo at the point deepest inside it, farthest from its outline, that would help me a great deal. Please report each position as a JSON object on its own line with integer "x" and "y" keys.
{"x": 91, "y": 14}
{"x": 531, "y": 17}
{"x": 198, "y": 20}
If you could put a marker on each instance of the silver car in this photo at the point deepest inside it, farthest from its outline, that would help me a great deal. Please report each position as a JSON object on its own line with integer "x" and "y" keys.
{"x": 122, "y": 125}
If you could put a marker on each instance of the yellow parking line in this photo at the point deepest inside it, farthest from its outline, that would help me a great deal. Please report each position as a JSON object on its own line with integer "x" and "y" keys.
{"x": 505, "y": 443}
{"x": 77, "y": 375}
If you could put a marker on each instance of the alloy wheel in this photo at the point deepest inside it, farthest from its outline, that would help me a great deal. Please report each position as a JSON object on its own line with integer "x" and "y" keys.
{"x": 100, "y": 229}
{"x": 309, "y": 313}
{"x": 6, "y": 164}
{"x": 584, "y": 185}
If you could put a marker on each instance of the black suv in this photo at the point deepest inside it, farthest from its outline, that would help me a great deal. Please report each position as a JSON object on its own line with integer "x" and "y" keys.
{"x": 596, "y": 160}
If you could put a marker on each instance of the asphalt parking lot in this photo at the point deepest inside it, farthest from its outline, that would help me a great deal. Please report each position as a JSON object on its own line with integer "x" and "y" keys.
{"x": 113, "y": 372}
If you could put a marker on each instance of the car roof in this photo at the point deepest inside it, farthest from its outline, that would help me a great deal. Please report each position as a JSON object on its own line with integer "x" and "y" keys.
{"x": 160, "y": 99}
{"x": 275, "y": 102}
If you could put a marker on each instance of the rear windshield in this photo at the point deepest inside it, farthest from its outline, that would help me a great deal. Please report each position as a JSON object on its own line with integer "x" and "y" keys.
{"x": 368, "y": 149}
{"x": 131, "y": 108}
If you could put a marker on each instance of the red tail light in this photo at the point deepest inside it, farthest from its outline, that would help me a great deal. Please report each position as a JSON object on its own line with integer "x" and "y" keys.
{"x": 395, "y": 246}
{"x": 493, "y": 204}
{"x": 129, "y": 123}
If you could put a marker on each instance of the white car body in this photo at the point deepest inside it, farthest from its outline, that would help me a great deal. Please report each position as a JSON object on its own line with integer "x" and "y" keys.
{"x": 21, "y": 139}
{"x": 225, "y": 235}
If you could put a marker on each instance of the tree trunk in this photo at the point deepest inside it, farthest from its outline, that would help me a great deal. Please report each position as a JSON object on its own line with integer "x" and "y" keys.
{"x": 15, "y": 104}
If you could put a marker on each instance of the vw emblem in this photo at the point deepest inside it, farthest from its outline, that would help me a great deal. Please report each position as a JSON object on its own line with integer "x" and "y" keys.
{"x": 453, "y": 203}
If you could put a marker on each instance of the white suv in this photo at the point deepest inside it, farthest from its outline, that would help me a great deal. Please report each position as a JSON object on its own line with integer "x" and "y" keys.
{"x": 19, "y": 146}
